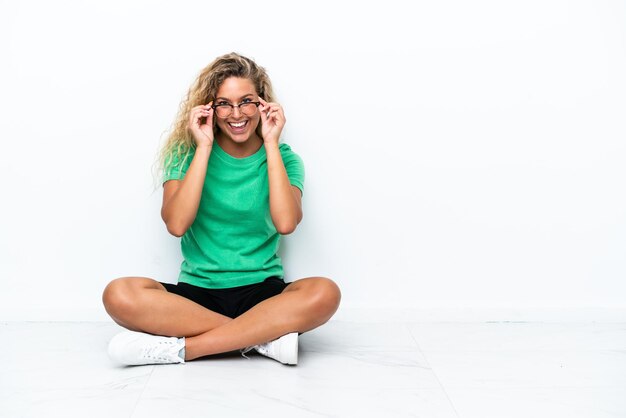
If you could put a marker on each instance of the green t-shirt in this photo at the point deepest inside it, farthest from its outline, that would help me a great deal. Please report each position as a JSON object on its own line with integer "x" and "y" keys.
{"x": 233, "y": 241}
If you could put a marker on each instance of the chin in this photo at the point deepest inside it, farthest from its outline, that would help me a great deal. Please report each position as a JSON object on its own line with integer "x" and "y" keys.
{"x": 240, "y": 139}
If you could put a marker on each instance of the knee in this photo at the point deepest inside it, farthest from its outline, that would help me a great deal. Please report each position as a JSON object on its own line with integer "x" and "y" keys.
{"x": 326, "y": 297}
{"x": 117, "y": 298}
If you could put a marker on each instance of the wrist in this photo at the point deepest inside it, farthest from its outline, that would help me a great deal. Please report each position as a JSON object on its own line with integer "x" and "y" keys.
{"x": 270, "y": 144}
{"x": 204, "y": 148}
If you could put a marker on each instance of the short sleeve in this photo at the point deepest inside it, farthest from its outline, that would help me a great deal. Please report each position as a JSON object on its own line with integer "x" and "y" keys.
{"x": 175, "y": 169}
{"x": 294, "y": 166}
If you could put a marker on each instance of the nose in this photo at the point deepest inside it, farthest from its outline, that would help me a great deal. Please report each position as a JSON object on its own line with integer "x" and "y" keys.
{"x": 236, "y": 111}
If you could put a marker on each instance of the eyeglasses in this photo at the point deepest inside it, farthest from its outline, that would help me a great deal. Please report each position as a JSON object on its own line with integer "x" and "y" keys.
{"x": 224, "y": 110}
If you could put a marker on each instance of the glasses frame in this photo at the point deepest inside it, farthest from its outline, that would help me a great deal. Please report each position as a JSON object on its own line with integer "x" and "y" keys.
{"x": 233, "y": 106}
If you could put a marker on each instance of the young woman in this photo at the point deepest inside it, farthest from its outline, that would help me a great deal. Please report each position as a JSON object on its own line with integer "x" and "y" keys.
{"x": 230, "y": 190}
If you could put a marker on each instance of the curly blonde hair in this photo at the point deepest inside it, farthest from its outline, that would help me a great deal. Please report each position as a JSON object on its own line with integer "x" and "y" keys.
{"x": 179, "y": 145}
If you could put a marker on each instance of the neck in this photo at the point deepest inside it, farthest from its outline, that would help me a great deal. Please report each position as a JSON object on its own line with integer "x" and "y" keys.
{"x": 239, "y": 150}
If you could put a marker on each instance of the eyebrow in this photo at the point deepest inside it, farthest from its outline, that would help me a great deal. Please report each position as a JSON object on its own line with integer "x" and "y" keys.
{"x": 242, "y": 97}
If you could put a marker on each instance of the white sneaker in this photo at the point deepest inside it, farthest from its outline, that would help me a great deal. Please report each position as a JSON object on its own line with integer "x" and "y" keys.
{"x": 135, "y": 348}
{"x": 283, "y": 349}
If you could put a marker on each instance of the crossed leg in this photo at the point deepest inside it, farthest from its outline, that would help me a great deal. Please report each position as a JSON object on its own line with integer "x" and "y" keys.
{"x": 143, "y": 304}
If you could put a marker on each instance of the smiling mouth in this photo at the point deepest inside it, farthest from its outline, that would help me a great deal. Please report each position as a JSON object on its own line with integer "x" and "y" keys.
{"x": 238, "y": 125}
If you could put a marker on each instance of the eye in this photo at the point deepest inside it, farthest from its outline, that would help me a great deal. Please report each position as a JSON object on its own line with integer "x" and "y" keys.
{"x": 248, "y": 100}
{"x": 222, "y": 103}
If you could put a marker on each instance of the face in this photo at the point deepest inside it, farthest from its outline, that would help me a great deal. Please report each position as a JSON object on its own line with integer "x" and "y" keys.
{"x": 238, "y": 126}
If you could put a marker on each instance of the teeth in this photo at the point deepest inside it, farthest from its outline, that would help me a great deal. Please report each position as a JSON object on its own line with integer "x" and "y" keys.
{"x": 237, "y": 125}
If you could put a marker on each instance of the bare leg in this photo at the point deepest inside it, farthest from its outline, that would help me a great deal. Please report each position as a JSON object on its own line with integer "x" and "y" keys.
{"x": 143, "y": 304}
{"x": 303, "y": 305}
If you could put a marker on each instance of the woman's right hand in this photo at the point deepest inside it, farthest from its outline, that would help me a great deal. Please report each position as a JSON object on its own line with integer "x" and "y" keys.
{"x": 202, "y": 133}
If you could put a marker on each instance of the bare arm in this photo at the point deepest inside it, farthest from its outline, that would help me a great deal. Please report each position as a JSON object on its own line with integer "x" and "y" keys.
{"x": 181, "y": 198}
{"x": 285, "y": 199}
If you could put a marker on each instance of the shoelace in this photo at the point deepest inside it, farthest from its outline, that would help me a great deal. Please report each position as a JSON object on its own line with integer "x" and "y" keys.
{"x": 157, "y": 351}
{"x": 261, "y": 348}
{"x": 247, "y": 349}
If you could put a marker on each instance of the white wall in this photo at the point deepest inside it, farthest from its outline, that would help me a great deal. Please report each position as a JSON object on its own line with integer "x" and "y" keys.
{"x": 458, "y": 154}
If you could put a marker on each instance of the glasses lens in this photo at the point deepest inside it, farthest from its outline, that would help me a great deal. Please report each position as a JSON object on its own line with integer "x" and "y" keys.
{"x": 248, "y": 109}
{"x": 223, "y": 111}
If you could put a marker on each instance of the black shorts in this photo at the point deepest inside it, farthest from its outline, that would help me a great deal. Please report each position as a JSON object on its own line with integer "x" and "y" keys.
{"x": 232, "y": 301}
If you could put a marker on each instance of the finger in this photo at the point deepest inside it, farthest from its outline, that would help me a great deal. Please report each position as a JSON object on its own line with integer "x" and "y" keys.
{"x": 280, "y": 111}
{"x": 271, "y": 105}
{"x": 197, "y": 110}
{"x": 277, "y": 120}
{"x": 198, "y": 115}
{"x": 194, "y": 117}
{"x": 276, "y": 109}
{"x": 273, "y": 108}
{"x": 209, "y": 117}
{"x": 199, "y": 107}
{"x": 278, "y": 117}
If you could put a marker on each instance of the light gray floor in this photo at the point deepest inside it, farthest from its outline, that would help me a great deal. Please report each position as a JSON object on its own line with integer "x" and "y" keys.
{"x": 346, "y": 369}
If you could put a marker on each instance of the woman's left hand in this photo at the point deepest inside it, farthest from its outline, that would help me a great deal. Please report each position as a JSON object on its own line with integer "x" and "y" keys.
{"x": 272, "y": 121}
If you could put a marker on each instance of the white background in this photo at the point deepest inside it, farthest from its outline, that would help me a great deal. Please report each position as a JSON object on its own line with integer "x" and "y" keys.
{"x": 458, "y": 154}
